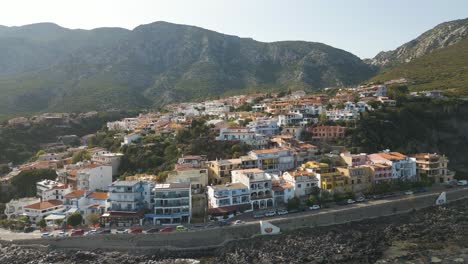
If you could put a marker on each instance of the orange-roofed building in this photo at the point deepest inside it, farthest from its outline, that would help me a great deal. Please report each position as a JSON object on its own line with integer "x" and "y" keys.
{"x": 403, "y": 167}
{"x": 37, "y": 211}
{"x": 304, "y": 181}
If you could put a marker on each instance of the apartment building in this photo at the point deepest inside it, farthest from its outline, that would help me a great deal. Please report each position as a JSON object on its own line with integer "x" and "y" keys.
{"x": 403, "y": 167}
{"x": 273, "y": 160}
{"x": 219, "y": 171}
{"x": 228, "y": 199}
{"x": 327, "y": 132}
{"x": 302, "y": 180}
{"x": 433, "y": 166}
{"x": 94, "y": 177}
{"x": 172, "y": 204}
{"x": 197, "y": 177}
{"x": 358, "y": 178}
{"x": 260, "y": 186}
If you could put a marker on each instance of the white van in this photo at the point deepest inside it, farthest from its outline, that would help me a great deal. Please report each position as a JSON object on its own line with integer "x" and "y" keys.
{"x": 462, "y": 182}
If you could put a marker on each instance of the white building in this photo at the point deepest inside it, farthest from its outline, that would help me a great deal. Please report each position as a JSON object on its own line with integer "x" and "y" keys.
{"x": 87, "y": 202}
{"x": 129, "y": 196}
{"x": 229, "y": 198}
{"x": 303, "y": 181}
{"x": 260, "y": 186}
{"x": 35, "y": 212}
{"x": 403, "y": 167}
{"x": 172, "y": 204}
{"x": 14, "y": 208}
{"x": 108, "y": 158}
{"x": 242, "y": 134}
{"x": 215, "y": 108}
{"x": 264, "y": 126}
{"x": 46, "y": 185}
{"x": 342, "y": 114}
{"x": 130, "y": 138}
{"x": 93, "y": 177}
{"x": 197, "y": 177}
{"x": 272, "y": 160}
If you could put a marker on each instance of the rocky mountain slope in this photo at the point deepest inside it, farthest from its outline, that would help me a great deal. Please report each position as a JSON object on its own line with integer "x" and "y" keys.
{"x": 44, "y": 67}
{"x": 444, "y": 69}
{"x": 441, "y": 36}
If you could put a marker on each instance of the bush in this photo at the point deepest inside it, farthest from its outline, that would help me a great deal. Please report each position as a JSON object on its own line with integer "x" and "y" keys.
{"x": 75, "y": 219}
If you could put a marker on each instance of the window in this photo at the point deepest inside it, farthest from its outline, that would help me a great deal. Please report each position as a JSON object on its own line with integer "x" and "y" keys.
{"x": 299, "y": 186}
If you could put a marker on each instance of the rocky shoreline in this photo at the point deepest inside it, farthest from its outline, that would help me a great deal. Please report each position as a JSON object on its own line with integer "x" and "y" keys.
{"x": 437, "y": 234}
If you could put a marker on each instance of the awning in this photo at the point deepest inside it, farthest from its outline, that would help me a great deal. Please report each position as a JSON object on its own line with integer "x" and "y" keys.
{"x": 72, "y": 210}
{"x": 54, "y": 217}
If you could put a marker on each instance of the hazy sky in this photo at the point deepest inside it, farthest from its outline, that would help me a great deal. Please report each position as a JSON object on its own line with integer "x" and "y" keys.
{"x": 363, "y": 27}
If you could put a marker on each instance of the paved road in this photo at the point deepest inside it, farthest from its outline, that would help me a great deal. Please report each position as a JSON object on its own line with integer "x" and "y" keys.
{"x": 247, "y": 217}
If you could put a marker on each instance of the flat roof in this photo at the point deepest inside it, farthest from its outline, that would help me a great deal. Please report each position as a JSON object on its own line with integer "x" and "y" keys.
{"x": 173, "y": 185}
{"x": 236, "y": 185}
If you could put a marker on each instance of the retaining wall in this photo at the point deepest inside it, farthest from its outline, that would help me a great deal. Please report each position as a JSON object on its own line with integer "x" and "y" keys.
{"x": 212, "y": 238}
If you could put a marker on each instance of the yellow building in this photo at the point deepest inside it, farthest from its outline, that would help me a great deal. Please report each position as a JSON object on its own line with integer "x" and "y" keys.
{"x": 219, "y": 171}
{"x": 357, "y": 179}
{"x": 329, "y": 178}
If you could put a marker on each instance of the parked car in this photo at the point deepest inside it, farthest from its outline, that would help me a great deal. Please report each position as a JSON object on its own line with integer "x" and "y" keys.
{"x": 104, "y": 231}
{"x": 152, "y": 230}
{"x": 420, "y": 190}
{"x": 342, "y": 202}
{"x": 92, "y": 232}
{"x": 282, "y": 212}
{"x": 77, "y": 232}
{"x": 350, "y": 201}
{"x": 165, "y": 230}
{"x": 28, "y": 229}
{"x": 270, "y": 213}
{"x": 223, "y": 223}
{"x": 121, "y": 231}
{"x": 409, "y": 192}
{"x": 181, "y": 228}
{"x": 44, "y": 235}
{"x": 61, "y": 234}
{"x": 462, "y": 182}
{"x": 136, "y": 230}
{"x": 361, "y": 199}
{"x": 239, "y": 222}
{"x": 258, "y": 215}
{"x": 314, "y": 207}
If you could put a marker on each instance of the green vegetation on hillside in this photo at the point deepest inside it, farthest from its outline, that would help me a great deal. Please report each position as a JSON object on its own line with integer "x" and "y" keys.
{"x": 419, "y": 125}
{"x": 157, "y": 154}
{"x": 20, "y": 143}
{"x": 445, "y": 69}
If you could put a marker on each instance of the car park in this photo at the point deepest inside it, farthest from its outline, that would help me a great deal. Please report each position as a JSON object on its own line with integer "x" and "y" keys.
{"x": 314, "y": 207}
{"x": 152, "y": 230}
{"x": 270, "y": 213}
{"x": 282, "y": 212}
{"x": 165, "y": 230}
{"x": 181, "y": 228}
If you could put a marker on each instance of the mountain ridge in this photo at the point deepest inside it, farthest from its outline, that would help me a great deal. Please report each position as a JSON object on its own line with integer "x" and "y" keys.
{"x": 154, "y": 64}
{"x": 442, "y": 35}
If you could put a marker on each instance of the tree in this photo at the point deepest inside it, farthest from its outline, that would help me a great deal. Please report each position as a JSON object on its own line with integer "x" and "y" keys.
{"x": 293, "y": 203}
{"x": 25, "y": 182}
{"x": 75, "y": 219}
{"x": 4, "y": 169}
{"x": 42, "y": 223}
{"x": 93, "y": 218}
{"x": 81, "y": 156}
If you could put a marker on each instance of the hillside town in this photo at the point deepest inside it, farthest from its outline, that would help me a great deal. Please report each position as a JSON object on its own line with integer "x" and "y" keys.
{"x": 294, "y": 159}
